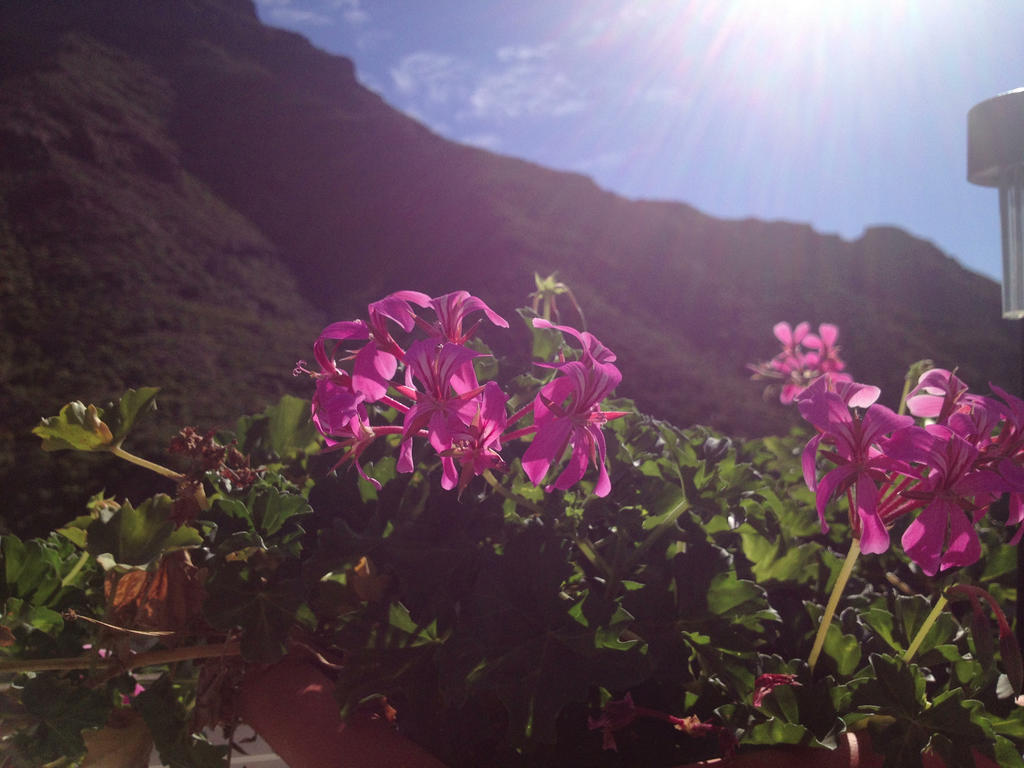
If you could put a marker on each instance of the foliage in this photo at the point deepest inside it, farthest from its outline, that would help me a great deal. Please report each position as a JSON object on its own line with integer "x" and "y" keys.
{"x": 670, "y": 619}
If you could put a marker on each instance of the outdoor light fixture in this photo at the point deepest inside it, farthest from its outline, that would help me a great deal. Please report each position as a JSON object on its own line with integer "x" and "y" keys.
{"x": 995, "y": 158}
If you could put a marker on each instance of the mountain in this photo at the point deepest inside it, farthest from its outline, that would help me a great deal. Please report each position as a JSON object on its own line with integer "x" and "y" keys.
{"x": 187, "y": 196}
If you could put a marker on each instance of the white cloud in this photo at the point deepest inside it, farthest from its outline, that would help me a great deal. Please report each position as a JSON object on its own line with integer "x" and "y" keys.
{"x": 288, "y": 13}
{"x": 525, "y": 52}
{"x": 523, "y": 83}
{"x": 352, "y": 11}
{"x": 436, "y": 76}
{"x": 525, "y": 90}
{"x": 316, "y": 13}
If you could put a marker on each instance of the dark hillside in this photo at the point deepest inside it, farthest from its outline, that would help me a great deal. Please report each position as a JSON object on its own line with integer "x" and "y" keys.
{"x": 187, "y": 195}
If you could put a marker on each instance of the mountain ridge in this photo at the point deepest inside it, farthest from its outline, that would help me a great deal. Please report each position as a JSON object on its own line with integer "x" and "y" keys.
{"x": 187, "y": 196}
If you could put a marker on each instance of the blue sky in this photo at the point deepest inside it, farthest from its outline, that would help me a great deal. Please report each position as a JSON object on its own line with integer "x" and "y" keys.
{"x": 842, "y": 114}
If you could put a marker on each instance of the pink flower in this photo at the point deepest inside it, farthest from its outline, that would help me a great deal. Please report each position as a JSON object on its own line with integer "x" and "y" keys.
{"x": 594, "y": 351}
{"x": 804, "y": 357}
{"x": 943, "y": 536}
{"x": 567, "y": 412}
{"x": 825, "y": 357}
{"x": 853, "y": 446}
{"x": 619, "y": 714}
{"x": 475, "y": 445}
{"x": 766, "y": 683}
{"x": 444, "y": 402}
{"x": 616, "y": 715}
{"x": 936, "y": 395}
{"x": 453, "y": 308}
{"x": 375, "y": 362}
{"x": 997, "y": 430}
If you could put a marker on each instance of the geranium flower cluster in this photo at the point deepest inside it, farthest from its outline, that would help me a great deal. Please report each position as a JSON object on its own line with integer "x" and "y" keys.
{"x": 965, "y": 452}
{"x": 441, "y": 399}
{"x": 805, "y": 356}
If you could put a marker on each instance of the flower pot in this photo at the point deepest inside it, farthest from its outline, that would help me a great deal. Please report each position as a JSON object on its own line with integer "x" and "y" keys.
{"x": 292, "y": 706}
{"x": 854, "y": 752}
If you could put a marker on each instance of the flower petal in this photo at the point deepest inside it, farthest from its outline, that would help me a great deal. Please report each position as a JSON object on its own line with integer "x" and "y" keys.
{"x": 874, "y": 538}
{"x": 547, "y": 447}
{"x": 964, "y": 546}
{"x": 924, "y": 537}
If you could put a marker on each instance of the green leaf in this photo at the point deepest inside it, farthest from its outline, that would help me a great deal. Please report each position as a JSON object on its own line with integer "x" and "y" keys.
{"x": 282, "y": 431}
{"x": 546, "y": 342}
{"x": 133, "y": 403}
{"x": 911, "y": 613}
{"x": 881, "y": 621}
{"x": 166, "y": 707}
{"x": 63, "y": 709}
{"x": 1012, "y": 726}
{"x": 843, "y": 648}
{"x": 289, "y": 426}
{"x": 135, "y": 537}
{"x": 38, "y": 617}
{"x": 271, "y": 509}
{"x": 77, "y": 427}
{"x": 740, "y": 599}
{"x": 400, "y": 619}
{"x": 895, "y": 688}
{"x": 1006, "y": 753}
{"x": 75, "y": 531}
{"x": 959, "y": 724}
{"x": 241, "y": 596}
{"x": 777, "y": 732}
{"x": 33, "y": 570}
{"x": 266, "y": 510}
{"x": 999, "y": 562}
{"x": 772, "y": 561}
{"x": 521, "y": 639}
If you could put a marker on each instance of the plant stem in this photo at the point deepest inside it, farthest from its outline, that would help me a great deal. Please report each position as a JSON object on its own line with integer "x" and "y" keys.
{"x": 82, "y": 560}
{"x": 147, "y": 659}
{"x": 161, "y": 470}
{"x": 833, "y": 601}
{"x": 919, "y": 637}
{"x": 519, "y": 433}
{"x": 586, "y": 546}
{"x": 903, "y": 397}
{"x": 503, "y": 491}
{"x": 141, "y": 462}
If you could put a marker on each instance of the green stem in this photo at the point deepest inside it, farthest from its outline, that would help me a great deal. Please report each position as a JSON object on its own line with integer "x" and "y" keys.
{"x": 161, "y": 470}
{"x": 833, "y": 601}
{"x": 147, "y": 659}
{"x": 903, "y": 397}
{"x": 502, "y": 490}
{"x": 82, "y": 560}
{"x": 141, "y": 462}
{"x": 919, "y": 637}
{"x": 586, "y": 546}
